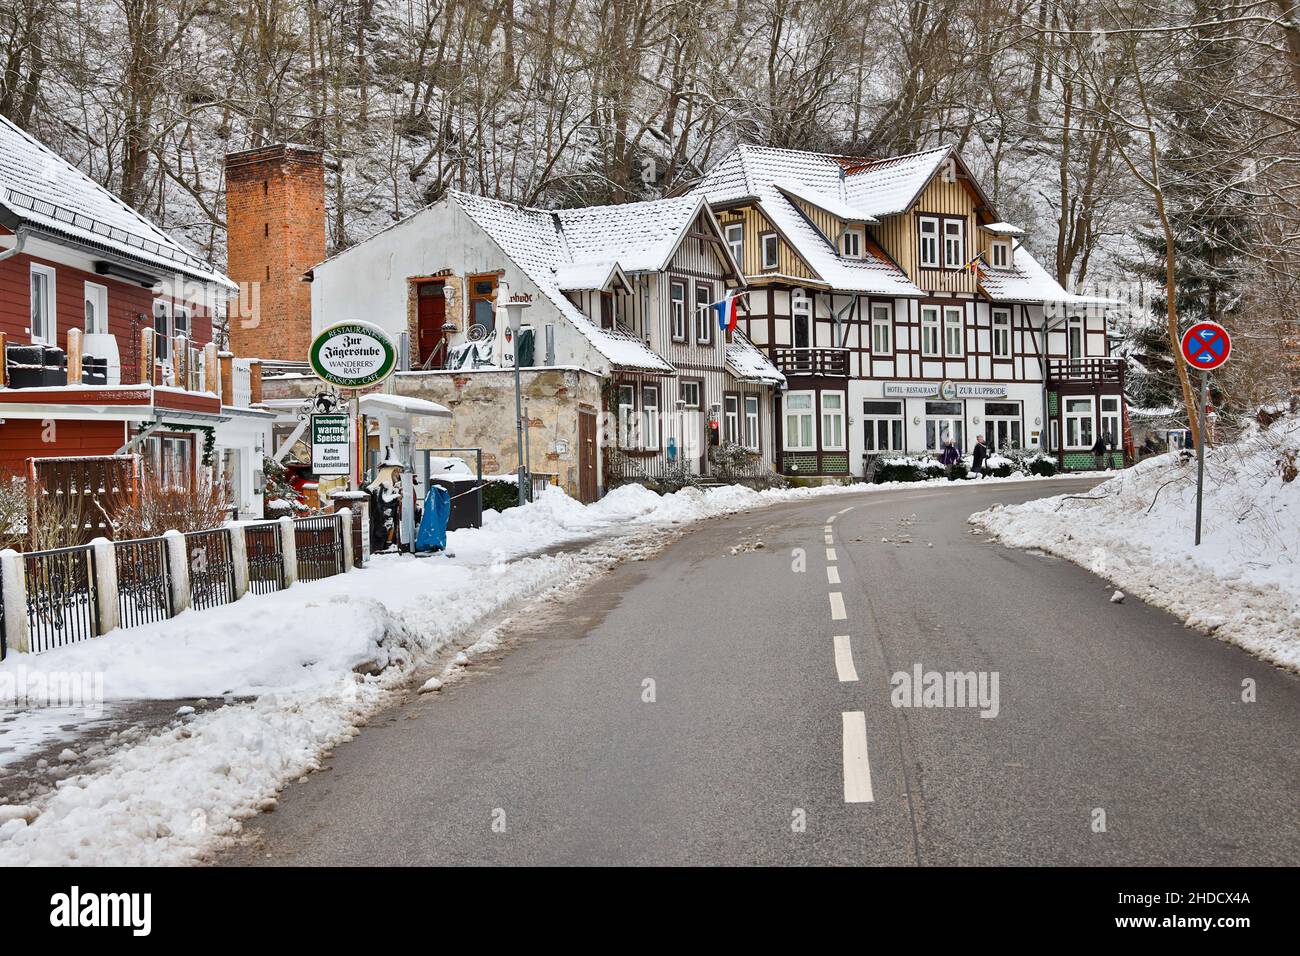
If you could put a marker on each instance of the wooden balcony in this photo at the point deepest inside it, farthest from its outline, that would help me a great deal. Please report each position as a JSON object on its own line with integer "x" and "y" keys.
{"x": 1091, "y": 372}
{"x": 813, "y": 361}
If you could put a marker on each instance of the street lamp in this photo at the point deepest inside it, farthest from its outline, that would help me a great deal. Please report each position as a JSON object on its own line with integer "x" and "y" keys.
{"x": 515, "y": 310}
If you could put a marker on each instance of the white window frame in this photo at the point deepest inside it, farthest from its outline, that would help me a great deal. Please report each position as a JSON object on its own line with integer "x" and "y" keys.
{"x": 993, "y": 419}
{"x": 770, "y": 242}
{"x": 180, "y": 312}
{"x": 1077, "y": 422}
{"x": 924, "y": 239}
{"x": 1112, "y": 420}
{"x": 650, "y": 417}
{"x": 96, "y": 300}
{"x": 954, "y": 245}
{"x": 882, "y": 328}
{"x": 627, "y": 416}
{"x": 1000, "y": 254}
{"x": 801, "y": 311}
{"x": 731, "y": 419}
{"x": 735, "y": 233}
{"x": 677, "y": 309}
{"x": 931, "y": 331}
{"x": 1073, "y": 324}
{"x": 956, "y": 422}
{"x": 704, "y": 314}
{"x": 853, "y": 243}
{"x": 752, "y": 433}
{"x": 162, "y": 335}
{"x": 1000, "y": 332}
{"x": 790, "y": 437}
{"x": 685, "y": 387}
{"x": 48, "y": 333}
{"x": 834, "y": 416}
{"x": 954, "y": 332}
{"x": 895, "y": 428}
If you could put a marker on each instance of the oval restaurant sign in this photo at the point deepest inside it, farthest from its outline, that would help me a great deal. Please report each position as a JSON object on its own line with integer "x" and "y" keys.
{"x": 353, "y": 355}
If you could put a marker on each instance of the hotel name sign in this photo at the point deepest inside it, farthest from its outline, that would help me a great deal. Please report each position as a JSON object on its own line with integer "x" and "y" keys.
{"x": 947, "y": 390}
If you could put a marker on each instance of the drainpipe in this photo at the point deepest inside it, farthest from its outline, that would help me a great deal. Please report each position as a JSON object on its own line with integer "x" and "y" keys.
{"x": 20, "y": 240}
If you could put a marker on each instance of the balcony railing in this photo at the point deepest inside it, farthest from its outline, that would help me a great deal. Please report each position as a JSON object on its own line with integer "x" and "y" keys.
{"x": 813, "y": 361}
{"x": 1090, "y": 371}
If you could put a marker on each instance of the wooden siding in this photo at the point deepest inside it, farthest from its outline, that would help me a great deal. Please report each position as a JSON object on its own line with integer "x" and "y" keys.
{"x": 21, "y": 439}
{"x": 898, "y": 236}
{"x": 756, "y": 224}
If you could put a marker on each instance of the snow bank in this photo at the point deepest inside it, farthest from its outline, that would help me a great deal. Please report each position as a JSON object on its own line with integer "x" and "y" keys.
{"x": 1137, "y": 530}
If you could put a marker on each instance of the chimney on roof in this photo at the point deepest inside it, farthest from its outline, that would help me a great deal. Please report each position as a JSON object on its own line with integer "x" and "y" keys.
{"x": 275, "y": 232}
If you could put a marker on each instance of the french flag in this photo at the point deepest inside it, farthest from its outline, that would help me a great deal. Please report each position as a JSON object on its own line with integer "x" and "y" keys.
{"x": 726, "y": 311}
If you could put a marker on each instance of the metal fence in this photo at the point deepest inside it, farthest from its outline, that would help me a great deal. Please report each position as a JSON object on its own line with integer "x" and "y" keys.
{"x": 319, "y": 546}
{"x": 265, "y": 562}
{"x": 212, "y": 570}
{"x": 62, "y": 597}
{"x": 144, "y": 583}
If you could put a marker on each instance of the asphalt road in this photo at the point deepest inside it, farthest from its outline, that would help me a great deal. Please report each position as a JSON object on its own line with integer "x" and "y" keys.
{"x": 759, "y": 747}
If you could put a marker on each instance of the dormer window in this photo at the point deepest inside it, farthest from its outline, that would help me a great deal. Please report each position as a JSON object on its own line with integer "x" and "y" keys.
{"x": 954, "y": 256}
{"x": 928, "y": 227}
{"x": 736, "y": 240}
{"x": 771, "y": 250}
{"x": 1000, "y": 254}
{"x": 851, "y": 244}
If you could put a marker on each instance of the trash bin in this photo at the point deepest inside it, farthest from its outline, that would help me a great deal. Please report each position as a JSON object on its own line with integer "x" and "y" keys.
{"x": 466, "y": 500}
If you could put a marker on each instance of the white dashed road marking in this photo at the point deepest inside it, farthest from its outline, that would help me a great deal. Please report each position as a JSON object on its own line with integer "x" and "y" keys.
{"x": 846, "y": 510}
{"x": 832, "y": 575}
{"x": 844, "y": 659}
{"x": 830, "y": 554}
{"x": 830, "y": 539}
{"x": 857, "y": 765}
{"x": 837, "y": 606}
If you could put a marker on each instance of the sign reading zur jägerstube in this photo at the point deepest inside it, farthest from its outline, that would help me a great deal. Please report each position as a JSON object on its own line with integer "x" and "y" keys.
{"x": 353, "y": 355}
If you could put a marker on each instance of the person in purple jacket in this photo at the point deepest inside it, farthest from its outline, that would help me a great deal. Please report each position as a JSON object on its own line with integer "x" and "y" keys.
{"x": 951, "y": 453}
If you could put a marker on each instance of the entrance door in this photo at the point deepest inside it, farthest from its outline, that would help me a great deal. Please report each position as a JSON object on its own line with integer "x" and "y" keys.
{"x": 586, "y": 457}
{"x": 430, "y": 316}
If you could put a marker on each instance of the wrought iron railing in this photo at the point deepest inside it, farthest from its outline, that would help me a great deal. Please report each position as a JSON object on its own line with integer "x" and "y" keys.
{"x": 212, "y": 570}
{"x": 144, "y": 586}
{"x": 319, "y": 547}
{"x": 265, "y": 561}
{"x": 62, "y": 596}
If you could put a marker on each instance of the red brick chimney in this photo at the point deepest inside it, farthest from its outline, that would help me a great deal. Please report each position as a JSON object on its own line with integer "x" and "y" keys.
{"x": 275, "y": 231}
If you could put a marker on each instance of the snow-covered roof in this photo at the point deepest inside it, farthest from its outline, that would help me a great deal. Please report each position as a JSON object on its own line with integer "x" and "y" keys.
{"x": 41, "y": 190}
{"x": 378, "y": 403}
{"x": 589, "y": 275}
{"x": 772, "y": 176}
{"x": 886, "y": 187}
{"x": 1003, "y": 229}
{"x": 748, "y": 364}
{"x": 835, "y": 205}
{"x": 1028, "y": 281}
{"x": 540, "y": 241}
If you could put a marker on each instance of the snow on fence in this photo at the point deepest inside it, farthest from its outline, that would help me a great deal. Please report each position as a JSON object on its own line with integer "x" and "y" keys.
{"x": 74, "y": 594}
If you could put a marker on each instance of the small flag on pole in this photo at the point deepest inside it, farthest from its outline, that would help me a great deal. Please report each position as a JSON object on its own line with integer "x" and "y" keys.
{"x": 726, "y": 312}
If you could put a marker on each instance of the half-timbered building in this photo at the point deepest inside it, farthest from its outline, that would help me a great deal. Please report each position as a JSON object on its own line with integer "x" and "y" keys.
{"x": 623, "y": 291}
{"x": 904, "y": 313}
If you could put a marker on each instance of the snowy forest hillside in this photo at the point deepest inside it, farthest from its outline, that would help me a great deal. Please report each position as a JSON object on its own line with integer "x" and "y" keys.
{"x": 1102, "y": 129}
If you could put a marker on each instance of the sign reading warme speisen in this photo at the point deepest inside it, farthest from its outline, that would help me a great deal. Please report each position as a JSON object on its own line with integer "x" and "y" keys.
{"x": 330, "y": 444}
{"x": 353, "y": 355}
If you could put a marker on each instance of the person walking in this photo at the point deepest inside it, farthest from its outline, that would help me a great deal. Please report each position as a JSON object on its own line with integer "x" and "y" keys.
{"x": 979, "y": 455}
{"x": 1100, "y": 460}
{"x": 951, "y": 453}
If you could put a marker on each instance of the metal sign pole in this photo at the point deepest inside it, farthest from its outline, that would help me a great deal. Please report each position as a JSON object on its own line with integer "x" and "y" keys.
{"x": 1200, "y": 450}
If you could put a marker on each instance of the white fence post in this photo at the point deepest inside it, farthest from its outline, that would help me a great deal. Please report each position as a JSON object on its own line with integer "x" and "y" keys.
{"x": 345, "y": 529}
{"x": 288, "y": 550}
{"x": 238, "y": 557}
{"x": 178, "y": 564}
{"x": 13, "y": 578}
{"x": 106, "y": 584}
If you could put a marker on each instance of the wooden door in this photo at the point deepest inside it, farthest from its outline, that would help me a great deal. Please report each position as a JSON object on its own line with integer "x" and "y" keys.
{"x": 430, "y": 316}
{"x": 586, "y": 457}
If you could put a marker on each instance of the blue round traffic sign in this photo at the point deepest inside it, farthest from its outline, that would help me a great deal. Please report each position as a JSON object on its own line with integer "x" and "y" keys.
{"x": 1206, "y": 346}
